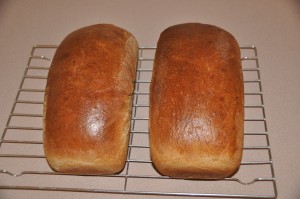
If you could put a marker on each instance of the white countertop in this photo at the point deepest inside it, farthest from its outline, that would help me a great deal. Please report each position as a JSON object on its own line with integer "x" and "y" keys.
{"x": 272, "y": 26}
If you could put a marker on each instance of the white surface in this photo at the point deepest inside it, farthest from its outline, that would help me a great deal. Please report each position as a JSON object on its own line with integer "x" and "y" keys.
{"x": 273, "y": 26}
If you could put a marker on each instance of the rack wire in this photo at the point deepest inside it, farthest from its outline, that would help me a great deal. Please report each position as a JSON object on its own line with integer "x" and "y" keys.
{"x": 23, "y": 165}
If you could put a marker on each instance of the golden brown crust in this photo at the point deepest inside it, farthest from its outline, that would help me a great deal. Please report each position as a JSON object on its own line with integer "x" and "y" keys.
{"x": 196, "y": 103}
{"x": 88, "y": 100}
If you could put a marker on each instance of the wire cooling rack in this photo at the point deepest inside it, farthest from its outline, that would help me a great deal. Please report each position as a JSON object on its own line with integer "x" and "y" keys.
{"x": 23, "y": 165}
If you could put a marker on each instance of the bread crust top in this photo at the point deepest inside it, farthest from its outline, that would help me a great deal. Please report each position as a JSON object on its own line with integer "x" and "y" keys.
{"x": 88, "y": 100}
{"x": 196, "y": 102}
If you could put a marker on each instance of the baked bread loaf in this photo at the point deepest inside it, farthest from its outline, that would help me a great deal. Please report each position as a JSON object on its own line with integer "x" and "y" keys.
{"x": 88, "y": 101}
{"x": 196, "y": 103}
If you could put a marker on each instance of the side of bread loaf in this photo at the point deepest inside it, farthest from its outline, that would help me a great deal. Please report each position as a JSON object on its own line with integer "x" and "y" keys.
{"x": 88, "y": 100}
{"x": 196, "y": 103}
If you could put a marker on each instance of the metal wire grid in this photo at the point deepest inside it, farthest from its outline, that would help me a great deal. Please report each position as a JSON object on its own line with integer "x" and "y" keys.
{"x": 138, "y": 174}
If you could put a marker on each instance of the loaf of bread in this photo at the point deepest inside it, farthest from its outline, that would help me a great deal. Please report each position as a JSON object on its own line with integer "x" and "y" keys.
{"x": 88, "y": 101}
{"x": 196, "y": 103}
